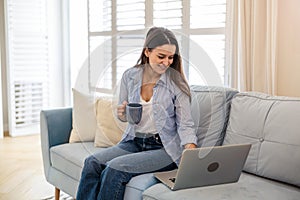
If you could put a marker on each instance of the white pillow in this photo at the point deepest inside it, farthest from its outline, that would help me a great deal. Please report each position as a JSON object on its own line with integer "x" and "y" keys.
{"x": 109, "y": 128}
{"x": 84, "y": 118}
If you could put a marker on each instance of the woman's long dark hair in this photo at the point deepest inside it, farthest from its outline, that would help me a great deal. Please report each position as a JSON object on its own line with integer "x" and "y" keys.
{"x": 158, "y": 36}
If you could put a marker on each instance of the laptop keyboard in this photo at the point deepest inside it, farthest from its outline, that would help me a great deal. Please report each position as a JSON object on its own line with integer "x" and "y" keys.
{"x": 172, "y": 179}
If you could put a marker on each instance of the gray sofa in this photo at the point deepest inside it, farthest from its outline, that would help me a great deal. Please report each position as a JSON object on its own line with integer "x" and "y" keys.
{"x": 221, "y": 116}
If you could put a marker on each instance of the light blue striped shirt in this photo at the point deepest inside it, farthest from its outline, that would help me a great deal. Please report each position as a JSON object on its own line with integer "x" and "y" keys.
{"x": 171, "y": 110}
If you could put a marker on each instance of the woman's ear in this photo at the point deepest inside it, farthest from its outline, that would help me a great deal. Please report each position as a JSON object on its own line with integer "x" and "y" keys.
{"x": 146, "y": 52}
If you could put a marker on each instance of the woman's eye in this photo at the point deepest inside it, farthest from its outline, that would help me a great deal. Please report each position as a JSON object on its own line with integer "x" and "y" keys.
{"x": 163, "y": 57}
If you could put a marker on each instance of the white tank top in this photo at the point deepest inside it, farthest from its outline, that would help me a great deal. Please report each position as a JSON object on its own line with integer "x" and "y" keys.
{"x": 147, "y": 123}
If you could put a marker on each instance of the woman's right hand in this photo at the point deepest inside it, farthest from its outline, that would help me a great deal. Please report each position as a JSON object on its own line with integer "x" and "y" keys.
{"x": 121, "y": 111}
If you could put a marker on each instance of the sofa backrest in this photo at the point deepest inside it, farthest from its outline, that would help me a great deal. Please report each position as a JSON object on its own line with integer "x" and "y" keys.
{"x": 272, "y": 126}
{"x": 210, "y": 109}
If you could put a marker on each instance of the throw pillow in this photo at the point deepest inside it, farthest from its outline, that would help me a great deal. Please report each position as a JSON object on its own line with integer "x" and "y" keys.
{"x": 109, "y": 128}
{"x": 84, "y": 118}
{"x": 210, "y": 109}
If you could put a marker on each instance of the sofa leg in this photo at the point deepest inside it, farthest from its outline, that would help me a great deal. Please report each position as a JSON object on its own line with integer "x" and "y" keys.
{"x": 57, "y": 193}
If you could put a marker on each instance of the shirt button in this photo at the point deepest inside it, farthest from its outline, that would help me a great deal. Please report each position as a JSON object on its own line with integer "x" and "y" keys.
{"x": 261, "y": 139}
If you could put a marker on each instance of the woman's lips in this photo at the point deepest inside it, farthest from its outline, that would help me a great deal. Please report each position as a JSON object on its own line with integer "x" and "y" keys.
{"x": 162, "y": 67}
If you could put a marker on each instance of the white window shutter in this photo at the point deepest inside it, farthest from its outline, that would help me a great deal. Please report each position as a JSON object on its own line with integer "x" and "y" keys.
{"x": 109, "y": 18}
{"x": 130, "y": 14}
{"x": 207, "y": 24}
{"x": 167, "y": 13}
{"x": 208, "y": 14}
{"x": 199, "y": 21}
{"x": 28, "y": 69}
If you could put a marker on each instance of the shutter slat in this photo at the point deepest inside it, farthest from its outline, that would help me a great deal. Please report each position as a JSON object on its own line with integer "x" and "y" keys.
{"x": 130, "y": 14}
{"x": 167, "y": 13}
{"x": 208, "y": 14}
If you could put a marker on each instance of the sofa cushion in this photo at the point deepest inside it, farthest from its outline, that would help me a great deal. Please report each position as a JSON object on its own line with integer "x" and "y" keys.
{"x": 248, "y": 187}
{"x": 83, "y": 118}
{"x": 69, "y": 158}
{"x": 210, "y": 108}
{"x": 109, "y": 128}
{"x": 271, "y": 125}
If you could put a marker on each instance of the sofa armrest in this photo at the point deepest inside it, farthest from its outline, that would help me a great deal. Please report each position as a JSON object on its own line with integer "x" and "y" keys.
{"x": 56, "y": 126}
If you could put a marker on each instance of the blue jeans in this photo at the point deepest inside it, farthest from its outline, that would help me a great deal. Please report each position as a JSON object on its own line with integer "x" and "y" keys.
{"x": 106, "y": 173}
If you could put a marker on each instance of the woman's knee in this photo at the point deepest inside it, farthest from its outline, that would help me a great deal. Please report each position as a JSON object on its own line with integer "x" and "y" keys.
{"x": 123, "y": 164}
{"x": 93, "y": 165}
{"x": 90, "y": 160}
{"x": 113, "y": 174}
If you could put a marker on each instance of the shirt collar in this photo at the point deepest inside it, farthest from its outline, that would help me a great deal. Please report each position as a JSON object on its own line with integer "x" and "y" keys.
{"x": 137, "y": 74}
{"x": 163, "y": 78}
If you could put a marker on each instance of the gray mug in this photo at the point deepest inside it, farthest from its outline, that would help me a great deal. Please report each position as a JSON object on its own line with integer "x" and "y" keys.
{"x": 134, "y": 112}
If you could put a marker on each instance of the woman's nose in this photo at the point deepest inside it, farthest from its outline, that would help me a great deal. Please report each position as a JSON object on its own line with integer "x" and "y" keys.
{"x": 166, "y": 62}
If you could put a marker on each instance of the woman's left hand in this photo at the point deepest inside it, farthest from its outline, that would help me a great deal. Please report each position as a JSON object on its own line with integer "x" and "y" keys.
{"x": 190, "y": 146}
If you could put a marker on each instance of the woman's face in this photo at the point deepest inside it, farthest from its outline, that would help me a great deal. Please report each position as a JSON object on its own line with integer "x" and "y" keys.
{"x": 161, "y": 57}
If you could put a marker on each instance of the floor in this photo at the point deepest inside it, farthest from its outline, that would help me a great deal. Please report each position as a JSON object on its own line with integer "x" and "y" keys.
{"x": 21, "y": 170}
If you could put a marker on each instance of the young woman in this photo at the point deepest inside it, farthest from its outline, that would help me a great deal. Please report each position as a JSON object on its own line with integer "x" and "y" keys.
{"x": 156, "y": 143}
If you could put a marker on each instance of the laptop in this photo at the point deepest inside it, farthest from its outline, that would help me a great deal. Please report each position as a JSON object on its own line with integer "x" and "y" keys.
{"x": 207, "y": 166}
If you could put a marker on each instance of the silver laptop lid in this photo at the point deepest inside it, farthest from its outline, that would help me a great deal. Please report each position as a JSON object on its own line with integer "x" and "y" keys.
{"x": 211, "y": 165}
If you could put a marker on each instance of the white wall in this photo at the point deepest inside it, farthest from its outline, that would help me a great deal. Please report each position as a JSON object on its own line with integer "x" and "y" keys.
{"x": 58, "y": 78}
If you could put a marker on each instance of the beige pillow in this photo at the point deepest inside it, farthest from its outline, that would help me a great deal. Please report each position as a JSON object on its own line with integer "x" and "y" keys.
{"x": 84, "y": 118}
{"x": 109, "y": 128}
